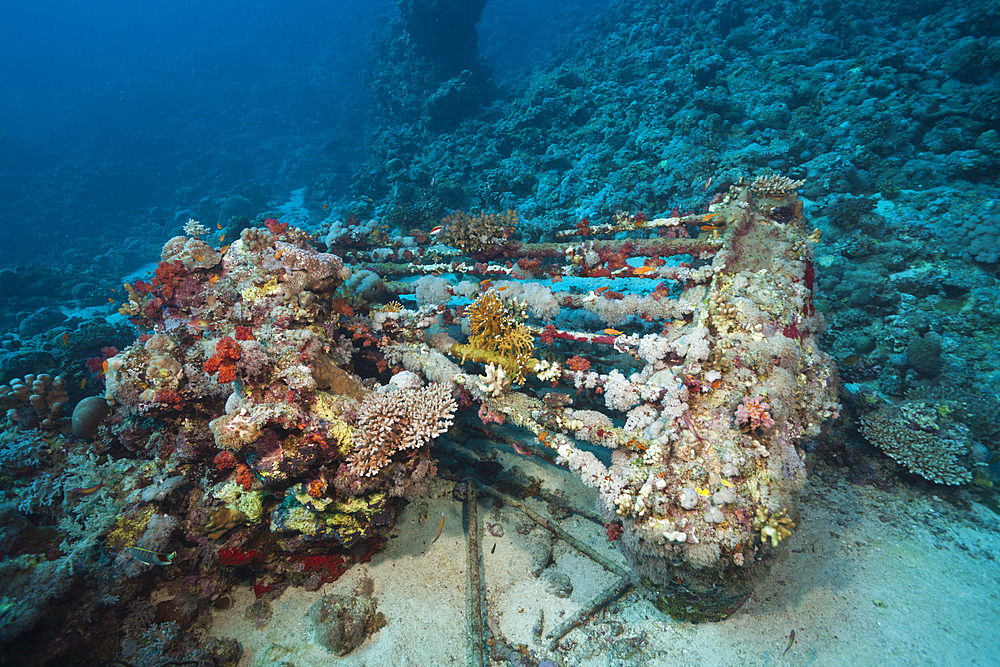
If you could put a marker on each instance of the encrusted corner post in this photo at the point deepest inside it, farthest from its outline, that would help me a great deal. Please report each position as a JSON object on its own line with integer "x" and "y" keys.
{"x": 713, "y": 489}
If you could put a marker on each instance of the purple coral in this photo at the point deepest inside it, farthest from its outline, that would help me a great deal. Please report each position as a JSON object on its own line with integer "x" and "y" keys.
{"x": 253, "y": 358}
{"x": 754, "y": 413}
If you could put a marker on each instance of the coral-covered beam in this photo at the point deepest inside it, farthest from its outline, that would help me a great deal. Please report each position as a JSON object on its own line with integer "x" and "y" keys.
{"x": 659, "y": 247}
{"x": 575, "y": 336}
{"x": 663, "y": 247}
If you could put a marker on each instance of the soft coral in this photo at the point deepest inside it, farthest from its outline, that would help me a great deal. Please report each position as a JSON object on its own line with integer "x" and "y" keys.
{"x": 167, "y": 277}
{"x": 227, "y": 352}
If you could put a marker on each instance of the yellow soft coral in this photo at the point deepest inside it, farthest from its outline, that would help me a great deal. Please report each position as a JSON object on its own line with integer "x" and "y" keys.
{"x": 391, "y": 307}
{"x": 517, "y": 341}
{"x": 343, "y": 434}
{"x": 128, "y": 527}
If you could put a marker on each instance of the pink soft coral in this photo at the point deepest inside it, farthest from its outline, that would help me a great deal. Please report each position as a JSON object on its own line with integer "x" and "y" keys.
{"x": 754, "y": 413}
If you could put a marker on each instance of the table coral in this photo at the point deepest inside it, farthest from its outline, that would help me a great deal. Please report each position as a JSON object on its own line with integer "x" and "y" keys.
{"x": 925, "y": 437}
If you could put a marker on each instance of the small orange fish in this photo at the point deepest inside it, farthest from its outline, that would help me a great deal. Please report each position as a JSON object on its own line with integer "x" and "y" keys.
{"x": 83, "y": 383}
{"x": 199, "y": 324}
{"x": 706, "y": 218}
{"x": 197, "y": 257}
{"x": 440, "y": 528}
{"x": 325, "y": 204}
{"x": 500, "y": 289}
{"x": 222, "y": 237}
{"x": 643, "y": 269}
{"x": 110, "y": 300}
{"x": 601, "y": 290}
{"x": 711, "y": 228}
{"x": 114, "y": 289}
{"x": 557, "y": 279}
{"x": 278, "y": 254}
{"x": 105, "y": 365}
{"x": 223, "y": 249}
{"x": 218, "y": 225}
{"x": 213, "y": 279}
{"x": 613, "y": 332}
{"x": 80, "y": 491}
{"x": 65, "y": 339}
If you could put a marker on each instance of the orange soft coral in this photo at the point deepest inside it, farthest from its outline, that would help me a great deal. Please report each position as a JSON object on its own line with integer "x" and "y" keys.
{"x": 167, "y": 275}
{"x": 227, "y": 351}
{"x": 244, "y": 476}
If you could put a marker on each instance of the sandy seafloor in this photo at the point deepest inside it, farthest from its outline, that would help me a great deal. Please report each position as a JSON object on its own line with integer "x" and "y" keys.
{"x": 869, "y": 578}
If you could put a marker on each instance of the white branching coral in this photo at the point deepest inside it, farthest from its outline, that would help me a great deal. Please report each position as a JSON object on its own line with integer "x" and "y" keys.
{"x": 653, "y": 348}
{"x": 774, "y": 186}
{"x": 397, "y": 421}
{"x": 548, "y": 371}
{"x": 640, "y": 417}
{"x": 194, "y": 229}
{"x": 586, "y": 466}
{"x": 494, "y": 381}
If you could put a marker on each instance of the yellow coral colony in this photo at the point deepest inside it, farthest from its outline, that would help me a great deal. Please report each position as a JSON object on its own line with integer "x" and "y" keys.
{"x": 497, "y": 335}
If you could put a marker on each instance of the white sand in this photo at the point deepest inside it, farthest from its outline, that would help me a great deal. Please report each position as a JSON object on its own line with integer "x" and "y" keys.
{"x": 869, "y": 578}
